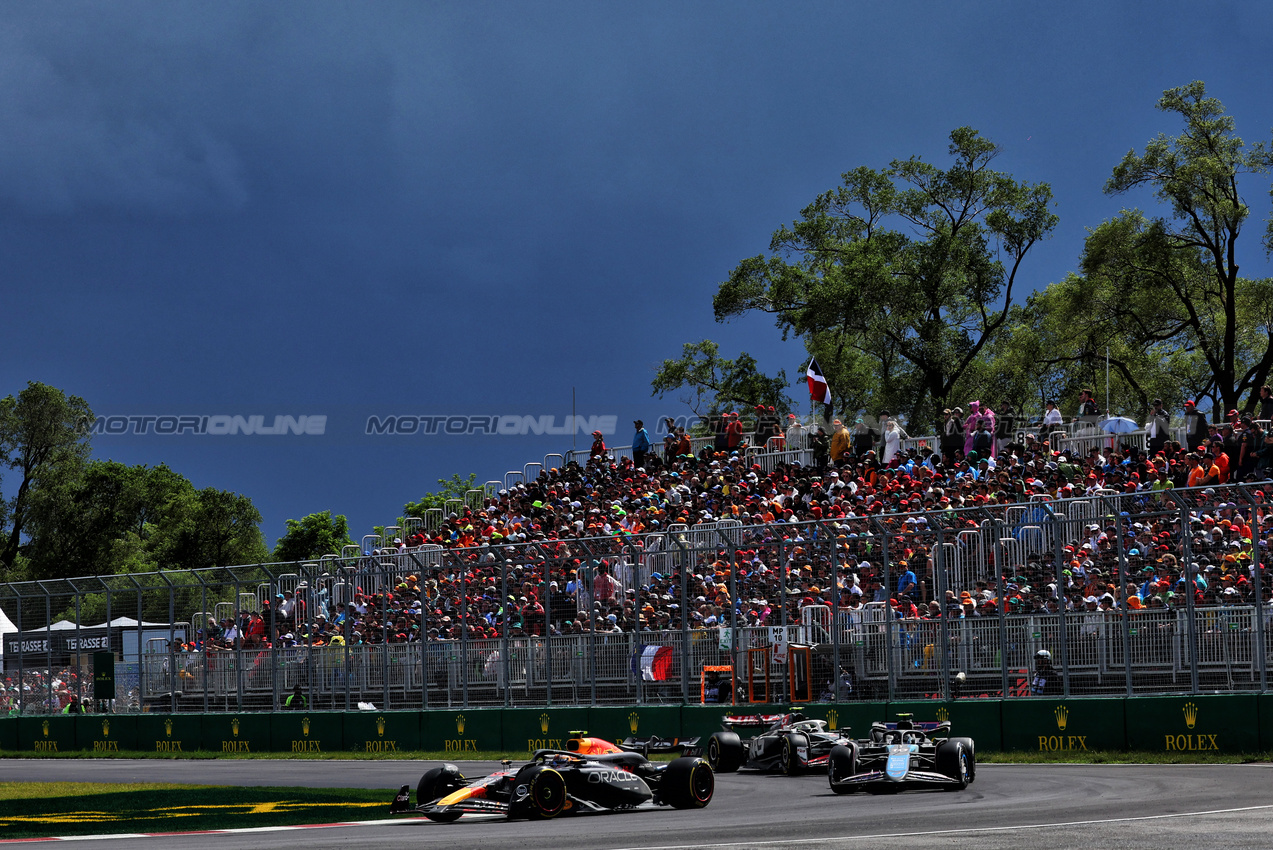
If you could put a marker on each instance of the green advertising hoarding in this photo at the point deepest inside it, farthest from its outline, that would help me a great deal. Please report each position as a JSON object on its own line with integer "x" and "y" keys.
{"x": 382, "y": 731}
{"x": 106, "y": 733}
{"x": 236, "y": 733}
{"x": 1194, "y": 724}
{"x": 462, "y": 730}
{"x": 1064, "y": 725}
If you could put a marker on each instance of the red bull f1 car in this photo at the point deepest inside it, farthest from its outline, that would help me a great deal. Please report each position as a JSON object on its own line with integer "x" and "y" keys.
{"x": 903, "y": 755}
{"x": 788, "y": 743}
{"x": 590, "y": 775}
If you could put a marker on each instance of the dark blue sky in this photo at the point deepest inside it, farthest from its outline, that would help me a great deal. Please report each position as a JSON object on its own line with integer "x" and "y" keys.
{"x": 376, "y": 209}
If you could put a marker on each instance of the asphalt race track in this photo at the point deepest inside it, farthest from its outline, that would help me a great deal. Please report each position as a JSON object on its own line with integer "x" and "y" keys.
{"x": 1009, "y": 806}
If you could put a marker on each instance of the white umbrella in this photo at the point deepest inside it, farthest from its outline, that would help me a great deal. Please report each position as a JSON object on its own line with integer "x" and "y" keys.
{"x": 1118, "y": 425}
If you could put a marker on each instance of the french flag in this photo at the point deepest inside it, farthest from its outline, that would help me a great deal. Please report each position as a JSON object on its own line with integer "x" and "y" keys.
{"x": 653, "y": 662}
{"x": 818, "y": 389}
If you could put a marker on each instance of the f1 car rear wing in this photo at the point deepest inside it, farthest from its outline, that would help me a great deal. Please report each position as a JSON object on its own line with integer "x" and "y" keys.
{"x": 923, "y": 725}
{"x": 655, "y": 745}
{"x": 751, "y": 721}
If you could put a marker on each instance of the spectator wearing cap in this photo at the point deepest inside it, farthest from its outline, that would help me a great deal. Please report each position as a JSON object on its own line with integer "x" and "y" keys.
{"x": 598, "y": 447}
{"x": 1195, "y": 426}
{"x": 907, "y": 581}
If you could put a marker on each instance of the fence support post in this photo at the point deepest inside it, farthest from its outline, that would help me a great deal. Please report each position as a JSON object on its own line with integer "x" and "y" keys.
{"x": 1187, "y": 568}
{"x": 1257, "y": 583}
{"x": 939, "y": 564}
{"x": 1126, "y": 615}
{"x": 890, "y": 626}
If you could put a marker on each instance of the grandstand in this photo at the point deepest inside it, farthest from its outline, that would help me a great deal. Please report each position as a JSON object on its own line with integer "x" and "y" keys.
{"x": 584, "y": 580}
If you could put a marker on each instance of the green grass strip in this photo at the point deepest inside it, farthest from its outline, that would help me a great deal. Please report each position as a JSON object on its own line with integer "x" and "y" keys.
{"x": 44, "y": 810}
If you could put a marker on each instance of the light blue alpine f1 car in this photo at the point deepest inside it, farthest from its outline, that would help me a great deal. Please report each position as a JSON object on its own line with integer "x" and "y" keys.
{"x": 903, "y": 755}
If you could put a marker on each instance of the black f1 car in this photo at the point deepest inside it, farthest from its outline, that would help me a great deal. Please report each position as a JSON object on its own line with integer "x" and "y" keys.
{"x": 592, "y": 775}
{"x": 903, "y": 755}
{"x": 790, "y": 743}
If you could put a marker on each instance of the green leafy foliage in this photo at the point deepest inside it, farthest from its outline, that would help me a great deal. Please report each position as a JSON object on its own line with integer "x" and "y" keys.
{"x": 709, "y": 383}
{"x": 898, "y": 279}
{"x": 1177, "y": 273}
{"x": 453, "y": 488}
{"x": 312, "y": 537}
{"x": 43, "y": 438}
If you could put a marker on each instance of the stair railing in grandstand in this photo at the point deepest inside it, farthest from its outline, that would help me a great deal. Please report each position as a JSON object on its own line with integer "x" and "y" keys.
{"x": 554, "y": 461}
{"x": 350, "y": 551}
{"x": 433, "y": 518}
{"x": 512, "y": 478}
{"x": 492, "y": 488}
{"x": 530, "y": 472}
{"x": 370, "y": 543}
{"x": 475, "y": 499}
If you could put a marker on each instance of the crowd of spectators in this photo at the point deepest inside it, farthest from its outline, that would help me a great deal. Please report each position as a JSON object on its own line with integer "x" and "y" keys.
{"x": 569, "y": 553}
{"x": 609, "y": 546}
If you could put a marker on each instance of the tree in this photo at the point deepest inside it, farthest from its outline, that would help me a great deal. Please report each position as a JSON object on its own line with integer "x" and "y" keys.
{"x": 898, "y": 279}
{"x": 42, "y": 436}
{"x": 1182, "y": 268}
{"x": 1057, "y": 344}
{"x": 712, "y": 382}
{"x": 312, "y": 537}
{"x": 208, "y": 528}
{"x": 454, "y": 488}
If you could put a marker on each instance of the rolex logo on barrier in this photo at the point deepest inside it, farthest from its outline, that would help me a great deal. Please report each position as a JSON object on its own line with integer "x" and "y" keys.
{"x": 104, "y": 745}
{"x": 943, "y": 715}
{"x": 1061, "y": 743}
{"x": 1191, "y": 714}
{"x": 460, "y": 744}
{"x": 380, "y": 745}
{"x": 235, "y": 746}
{"x": 168, "y": 745}
{"x": 45, "y": 746}
{"x": 1191, "y": 742}
{"x": 543, "y": 723}
{"x": 833, "y": 719}
{"x": 633, "y": 720}
{"x": 307, "y": 745}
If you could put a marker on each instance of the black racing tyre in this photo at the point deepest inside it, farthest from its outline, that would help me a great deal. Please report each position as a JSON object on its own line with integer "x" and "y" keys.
{"x": 841, "y": 764}
{"x": 971, "y": 749}
{"x": 952, "y": 760}
{"x": 789, "y": 760}
{"x": 437, "y": 783}
{"x": 687, "y": 783}
{"x": 725, "y": 752}
{"x": 546, "y": 793}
